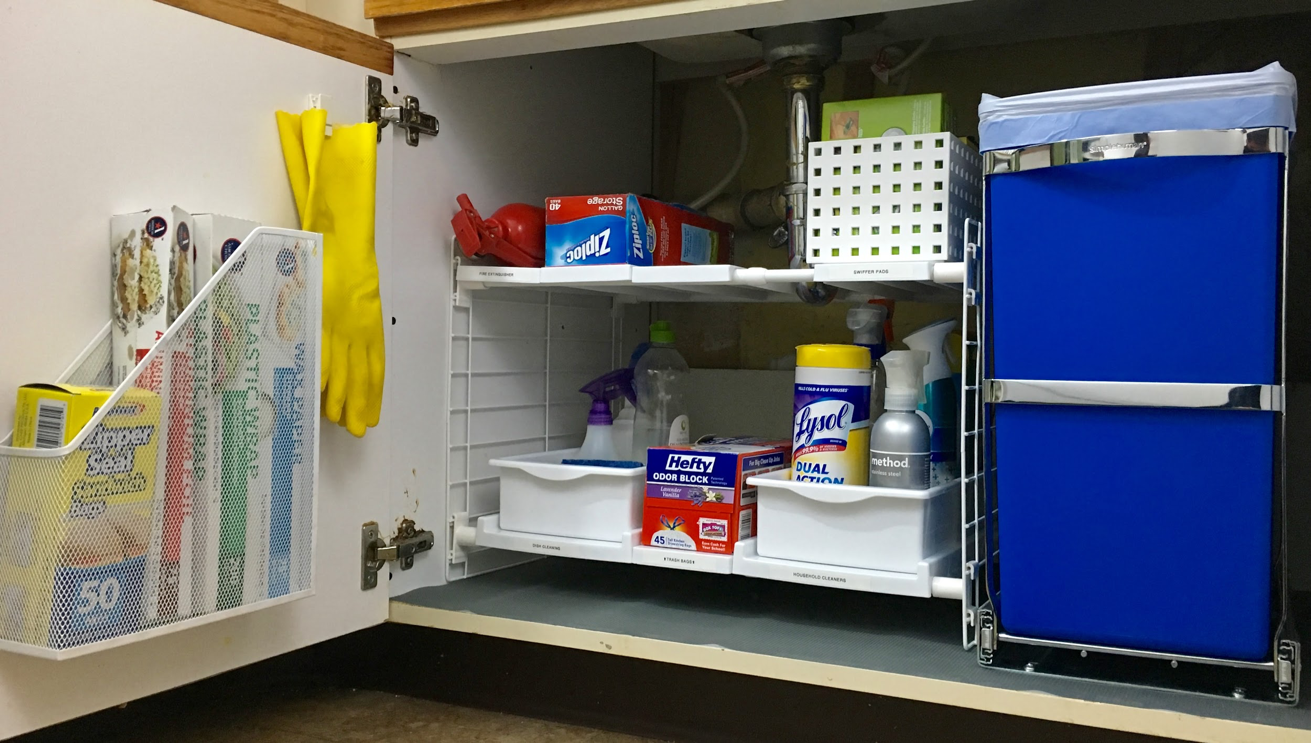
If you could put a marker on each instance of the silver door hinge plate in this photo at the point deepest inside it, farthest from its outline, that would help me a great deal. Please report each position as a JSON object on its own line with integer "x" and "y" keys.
{"x": 406, "y": 116}
{"x": 1288, "y": 669}
{"x": 987, "y": 634}
{"x": 375, "y": 552}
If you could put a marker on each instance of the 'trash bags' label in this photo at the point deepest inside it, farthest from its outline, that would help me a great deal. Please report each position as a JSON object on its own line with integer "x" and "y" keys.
{"x": 830, "y": 434}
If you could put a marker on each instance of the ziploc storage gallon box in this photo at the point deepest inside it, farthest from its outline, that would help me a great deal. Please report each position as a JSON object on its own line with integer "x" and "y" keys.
{"x": 76, "y": 541}
{"x": 697, "y": 497}
{"x": 625, "y": 228}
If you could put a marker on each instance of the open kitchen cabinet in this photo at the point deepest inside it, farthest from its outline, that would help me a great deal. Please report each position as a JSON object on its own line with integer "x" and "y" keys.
{"x": 179, "y": 109}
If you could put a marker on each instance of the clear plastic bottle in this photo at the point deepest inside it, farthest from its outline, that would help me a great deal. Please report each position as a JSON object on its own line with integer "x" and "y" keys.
{"x": 659, "y": 378}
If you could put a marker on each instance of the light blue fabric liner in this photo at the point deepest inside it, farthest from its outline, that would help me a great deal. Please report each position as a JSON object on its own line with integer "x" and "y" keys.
{"x": 1265, "y": 97}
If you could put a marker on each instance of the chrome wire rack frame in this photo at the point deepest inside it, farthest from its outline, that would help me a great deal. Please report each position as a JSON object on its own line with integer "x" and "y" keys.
{"x": 1274, "y": 680}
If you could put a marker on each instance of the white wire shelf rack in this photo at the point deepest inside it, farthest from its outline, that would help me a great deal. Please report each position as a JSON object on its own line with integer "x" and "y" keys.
{"x": 907, "y": 280}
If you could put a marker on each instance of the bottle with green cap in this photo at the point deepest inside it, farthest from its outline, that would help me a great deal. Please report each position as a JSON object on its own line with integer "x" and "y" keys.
{"x": 659, "y": 378}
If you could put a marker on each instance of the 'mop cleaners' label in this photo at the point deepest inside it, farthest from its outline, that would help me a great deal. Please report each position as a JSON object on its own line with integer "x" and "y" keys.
{"x": 830, "y": 434}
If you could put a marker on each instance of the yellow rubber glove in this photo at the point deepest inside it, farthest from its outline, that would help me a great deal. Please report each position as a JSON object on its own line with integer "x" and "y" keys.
{"x": 334, "y": 180}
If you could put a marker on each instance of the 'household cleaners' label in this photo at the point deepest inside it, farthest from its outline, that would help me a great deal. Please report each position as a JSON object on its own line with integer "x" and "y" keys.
{"x": 830, "y": 434}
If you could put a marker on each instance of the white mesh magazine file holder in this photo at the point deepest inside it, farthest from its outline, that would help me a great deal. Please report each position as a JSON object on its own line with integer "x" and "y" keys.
{"x": 191, "y": 494}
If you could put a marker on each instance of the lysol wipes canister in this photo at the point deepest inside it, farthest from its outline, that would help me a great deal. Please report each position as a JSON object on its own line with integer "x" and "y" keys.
{"x": 830, "y": 415}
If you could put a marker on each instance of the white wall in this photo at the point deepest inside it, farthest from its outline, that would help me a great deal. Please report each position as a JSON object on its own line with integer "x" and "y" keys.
{"x": 517, "y": 129}
{"x": 112, "y": 107}
{"x": 348, "y": 13}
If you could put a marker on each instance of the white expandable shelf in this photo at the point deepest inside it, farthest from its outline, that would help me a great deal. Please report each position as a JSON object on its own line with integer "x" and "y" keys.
{"x": 922, "y": 280}
{"x": 490, "y": 534}
{"x": 541, "y": 495}
{"x": 598, "y": 275}
{"x": 868, "y": 528}
{"x": 702, "y": 562}
{"x": 929, "y": 580}
{"x": 626, "y": 550}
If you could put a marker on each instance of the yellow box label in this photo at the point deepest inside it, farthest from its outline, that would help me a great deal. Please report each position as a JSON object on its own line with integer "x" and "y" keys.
{"x": 76, "y": 528}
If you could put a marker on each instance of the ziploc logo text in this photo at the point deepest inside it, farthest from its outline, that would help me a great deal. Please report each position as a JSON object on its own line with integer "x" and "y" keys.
{"x": 594, "y": 246}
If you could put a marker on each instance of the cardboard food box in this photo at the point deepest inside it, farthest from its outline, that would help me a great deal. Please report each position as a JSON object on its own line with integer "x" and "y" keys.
{"x": 125, "y": 232}
{"x": 181, "y": 271}
{"x": 154, "y": 276}
{"x": 77, "y": 529}
{"x": 625, "y": 228}
{"x": 151, "y": 258}
{"x": 244, "y": 420}
{"x": 219, "y": 403}
{"x": 283, "y": 363}
{"x": 883, "y": 117}
{"x": 697, "y": 497}
{"x": 255, "y": 524}
{"x": 216, "y": 237}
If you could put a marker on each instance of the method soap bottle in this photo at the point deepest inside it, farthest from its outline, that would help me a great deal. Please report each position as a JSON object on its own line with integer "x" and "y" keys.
{"x": 900, "y": 440}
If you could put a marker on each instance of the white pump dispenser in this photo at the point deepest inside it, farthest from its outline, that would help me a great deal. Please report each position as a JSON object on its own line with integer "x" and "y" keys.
{"x": 900, "y": 439}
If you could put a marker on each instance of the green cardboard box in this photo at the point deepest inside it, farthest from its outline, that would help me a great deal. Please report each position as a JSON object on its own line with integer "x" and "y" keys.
{"x": 879, "y": 117}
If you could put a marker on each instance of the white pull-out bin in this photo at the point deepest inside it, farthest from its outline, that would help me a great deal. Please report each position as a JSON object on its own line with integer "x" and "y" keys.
{"x": 854, "y": 526}
{"x": 539, "y": 495}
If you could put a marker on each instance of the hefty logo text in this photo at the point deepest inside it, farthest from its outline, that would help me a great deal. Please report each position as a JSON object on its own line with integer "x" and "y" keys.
{"x": 684, "y": 469}
{"x": 689, "y": 463}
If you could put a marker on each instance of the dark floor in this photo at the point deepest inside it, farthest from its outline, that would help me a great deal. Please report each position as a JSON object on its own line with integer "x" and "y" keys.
{"x": 268, "y": 703}
{"x": 399, "y": 683}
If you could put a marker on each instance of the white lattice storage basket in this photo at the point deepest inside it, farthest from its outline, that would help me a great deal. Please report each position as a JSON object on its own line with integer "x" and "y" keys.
{"x": 190, "y": 495}
{"x": 901, "y": 198}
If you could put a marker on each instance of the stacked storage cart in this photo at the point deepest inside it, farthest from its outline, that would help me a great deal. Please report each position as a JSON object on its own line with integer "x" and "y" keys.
{"x": 1134, "y": 462}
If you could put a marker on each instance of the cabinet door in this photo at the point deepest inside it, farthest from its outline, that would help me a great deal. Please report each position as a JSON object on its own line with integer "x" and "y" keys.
{"x": 116, "y": 107}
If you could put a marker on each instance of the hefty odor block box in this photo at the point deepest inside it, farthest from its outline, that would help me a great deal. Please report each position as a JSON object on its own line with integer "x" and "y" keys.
{"x": 625, "y": 228}
{"x": 697, "y": 497}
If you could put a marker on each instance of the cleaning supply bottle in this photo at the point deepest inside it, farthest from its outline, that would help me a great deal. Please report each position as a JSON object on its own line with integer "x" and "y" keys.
{"x": 940, "y": 401}
{"x": 659, "y": 378}
{"x": 830, "y": 415}
{"x": 599, "y": 444}
{"x": 623, "y": 428}
{"x": 866, "y": 324}
{"x": 900, "y": 440}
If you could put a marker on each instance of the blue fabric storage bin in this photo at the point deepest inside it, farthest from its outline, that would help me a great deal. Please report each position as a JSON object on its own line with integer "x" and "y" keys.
{"x": 1142, "y": 528}
{"x": 1142, "y": 270}
{"x": 1136, "y": 527}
